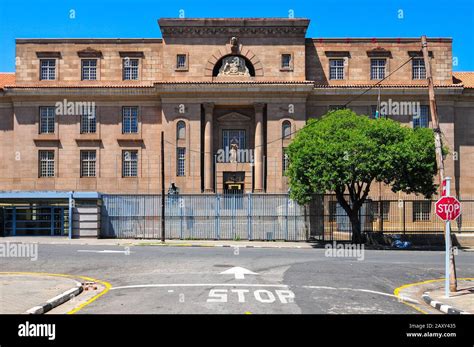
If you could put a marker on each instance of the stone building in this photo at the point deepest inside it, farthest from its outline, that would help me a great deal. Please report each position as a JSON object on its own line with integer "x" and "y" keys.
{"x": 229, "y": 94}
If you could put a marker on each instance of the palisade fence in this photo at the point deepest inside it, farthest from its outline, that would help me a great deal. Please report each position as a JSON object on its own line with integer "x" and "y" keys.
{"x": 267, "y": 217}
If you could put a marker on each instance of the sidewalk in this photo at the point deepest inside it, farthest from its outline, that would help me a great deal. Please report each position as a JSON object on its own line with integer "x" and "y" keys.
{"x": 22, "y": 292}
{"x": 461, "y": 302}
{"x": 137, "y": 242}
{"x": 429, "y": 297}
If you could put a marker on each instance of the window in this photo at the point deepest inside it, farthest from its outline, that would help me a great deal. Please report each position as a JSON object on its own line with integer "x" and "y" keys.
{"x": 181, "y": 130}
{"x": 89, "y": 69}
{"x": 46, "y": 167}
{"x": 336, "y": 69}
{"x": 88, "y": 120}
{"x": 286, "y": 129}
{"x": 285, "y": 161}
{"x": 180, "y": 161}
{"x": 235, "y": 138}
{"x": 181, "y": 61}
{"x": 421, "y": 211}
{"x": 286, "y": 61}
{"x": 422, "y": 120}
{"x": 332, "y": 211}
{"x": 377, "y": 69}
{"x": 418, "y": 69}
{"x": 129, "y": 163}
{"x": 385, "y": 209}
{"x": 48, "y": 69}
{"x": 47, "y": 119}
{"x": 88, "y": 160}
{"x": 130, "y": 69}
{"x": 129, "y": 120}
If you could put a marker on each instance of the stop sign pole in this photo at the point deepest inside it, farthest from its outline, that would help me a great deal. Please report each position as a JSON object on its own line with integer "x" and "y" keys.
{"x": 450, "y": 269}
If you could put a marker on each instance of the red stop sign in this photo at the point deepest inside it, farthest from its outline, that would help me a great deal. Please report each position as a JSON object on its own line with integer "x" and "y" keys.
{"x": 448, "y": 208}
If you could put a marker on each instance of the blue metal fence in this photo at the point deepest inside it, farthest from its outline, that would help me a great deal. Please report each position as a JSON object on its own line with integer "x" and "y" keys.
{"x": 215, "y": 217}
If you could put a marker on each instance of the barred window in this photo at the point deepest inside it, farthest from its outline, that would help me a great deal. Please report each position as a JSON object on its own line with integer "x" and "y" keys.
{"x": 88, "y": 161}
{"x": 285, "y": 161}
{"x": 180, "y": 161}
{"x": 336, "y": 69}
{"x": 46, "y": 163}
{"x": 47, "y": 69}
{"x": 421, "y": 211}
{"x": 129, "y": 119}
{"x": 89, "y": 69}
{"x": 286, "y": 129}
{"x": 286, "y": 61}
{"x": 130, "y": 163}
{"x": 377, "y": 69}
{"x": 332, "y": 211}
{"x": 181, "y": 61}
{"x": 418, "y": 69}
{"x": 385, "y": 209}
{"x": 181, "y": 130}
{"x": 422, "y": 120}
{"x": 88, "y": 120}
{"x": 47, "y": 120}
{"x": 130, "y": 69}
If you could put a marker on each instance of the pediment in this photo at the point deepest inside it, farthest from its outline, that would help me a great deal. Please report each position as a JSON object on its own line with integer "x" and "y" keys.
{"x": 234, "y": 117}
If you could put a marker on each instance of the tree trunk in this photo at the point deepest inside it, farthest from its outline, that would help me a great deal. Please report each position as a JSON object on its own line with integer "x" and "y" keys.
{"x": 356, "y": 228}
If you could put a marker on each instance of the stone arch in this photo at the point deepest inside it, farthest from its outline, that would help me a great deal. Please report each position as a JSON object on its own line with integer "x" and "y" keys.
{"x": 227, "y": 50}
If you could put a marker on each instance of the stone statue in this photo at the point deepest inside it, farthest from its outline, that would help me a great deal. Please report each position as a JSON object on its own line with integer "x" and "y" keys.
{"x": 233, "y": 153}
{"x": 234, "y": 42}
{"x": 233, "y": 66}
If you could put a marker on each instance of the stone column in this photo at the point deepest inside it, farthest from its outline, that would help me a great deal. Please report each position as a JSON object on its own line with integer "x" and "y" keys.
{"x": 258, "y": 155}
{"x": 208, "y": 152}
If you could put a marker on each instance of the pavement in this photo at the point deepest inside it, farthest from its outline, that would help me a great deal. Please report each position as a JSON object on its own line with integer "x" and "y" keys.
{"x": 459, "y": 302}
{"x": 20, "y": 293}
{"x": 134, "y": 278}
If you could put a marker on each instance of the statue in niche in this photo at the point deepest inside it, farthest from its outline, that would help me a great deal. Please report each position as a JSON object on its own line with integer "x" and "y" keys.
{"x": 233, "y": 66}
{"x": 234, "y": 147}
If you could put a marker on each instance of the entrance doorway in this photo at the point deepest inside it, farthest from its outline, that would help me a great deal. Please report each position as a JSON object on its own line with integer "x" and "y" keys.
{"x": 234, "y": 182}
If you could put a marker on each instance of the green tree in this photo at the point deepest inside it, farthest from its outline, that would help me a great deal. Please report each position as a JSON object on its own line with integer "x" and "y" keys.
{"x": 345, "y": 153}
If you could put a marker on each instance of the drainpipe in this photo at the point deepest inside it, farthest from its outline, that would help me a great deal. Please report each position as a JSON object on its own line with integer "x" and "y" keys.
{"x": 70, "y": 214}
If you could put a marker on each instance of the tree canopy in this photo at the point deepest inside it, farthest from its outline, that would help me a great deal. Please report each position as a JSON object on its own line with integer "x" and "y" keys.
{"x": 344, "y": 153}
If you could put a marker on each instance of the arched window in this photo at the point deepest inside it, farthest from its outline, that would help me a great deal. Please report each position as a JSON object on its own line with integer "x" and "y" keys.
{"x": 233, "y": 65}
{"x": 181, "y": 130}
{"x": 286, "y": 129}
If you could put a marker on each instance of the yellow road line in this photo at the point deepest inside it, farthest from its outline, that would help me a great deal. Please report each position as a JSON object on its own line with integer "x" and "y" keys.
{"x": 397, "y": 290}
{"x": 106, "y": 285}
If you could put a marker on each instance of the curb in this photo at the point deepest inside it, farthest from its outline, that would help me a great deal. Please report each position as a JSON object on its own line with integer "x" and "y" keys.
{"x": 218, "y": 245}
{"x": 440, "y": 306}
{"x": 57, "y": 300}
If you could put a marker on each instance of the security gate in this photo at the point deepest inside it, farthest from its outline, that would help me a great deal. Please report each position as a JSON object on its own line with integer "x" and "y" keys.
{"x": 34, "y": 220}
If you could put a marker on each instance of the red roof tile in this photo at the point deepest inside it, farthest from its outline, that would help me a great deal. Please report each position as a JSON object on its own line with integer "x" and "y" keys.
{"x": 6, "y": 78}
{"x": 465, "y": 78}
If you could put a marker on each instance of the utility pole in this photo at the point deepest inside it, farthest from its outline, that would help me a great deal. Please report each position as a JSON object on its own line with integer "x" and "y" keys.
{"x": 438, "y": 149}
{"x": 162, "y": 187}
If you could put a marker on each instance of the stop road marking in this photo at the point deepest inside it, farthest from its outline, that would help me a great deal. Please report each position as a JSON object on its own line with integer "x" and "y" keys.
{"x": 261, "y": 295}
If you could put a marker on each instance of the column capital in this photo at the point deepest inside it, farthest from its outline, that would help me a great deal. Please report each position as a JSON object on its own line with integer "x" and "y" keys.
{"x": 259, "y": 106}
{"x": 208, "y": 106}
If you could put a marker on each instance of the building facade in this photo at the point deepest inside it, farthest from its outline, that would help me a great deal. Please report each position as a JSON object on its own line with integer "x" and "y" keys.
{"x": 229, "y": 95}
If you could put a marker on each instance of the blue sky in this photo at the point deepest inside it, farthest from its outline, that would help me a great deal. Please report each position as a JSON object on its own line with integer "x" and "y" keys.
{"x": 329, "y": 18}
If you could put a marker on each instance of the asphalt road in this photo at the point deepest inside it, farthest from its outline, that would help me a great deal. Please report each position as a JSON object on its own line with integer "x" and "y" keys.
{"x": 154, "y": 279}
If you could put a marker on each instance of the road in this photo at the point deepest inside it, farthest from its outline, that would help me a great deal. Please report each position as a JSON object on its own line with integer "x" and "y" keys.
{"x": 155, "y": 279}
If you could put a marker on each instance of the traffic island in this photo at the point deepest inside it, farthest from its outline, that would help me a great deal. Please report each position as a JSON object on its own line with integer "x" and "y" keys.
{"x": 460, "y": 302}
{"x": 35, "y": 293}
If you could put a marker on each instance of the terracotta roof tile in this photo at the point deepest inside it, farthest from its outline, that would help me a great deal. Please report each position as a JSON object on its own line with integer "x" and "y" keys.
{"x": 465, "y": 78}
{"x": 6, "y": 78}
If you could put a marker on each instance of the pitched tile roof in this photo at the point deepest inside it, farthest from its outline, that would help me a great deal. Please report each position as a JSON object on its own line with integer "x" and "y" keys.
{"x": 6, "y": 78}
{"x": 466, "y": 78}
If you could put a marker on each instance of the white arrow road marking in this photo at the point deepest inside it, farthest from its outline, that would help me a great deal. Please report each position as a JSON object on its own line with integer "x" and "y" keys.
{"x": 104, "y": 251}
{"x": 238, "y": 272}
